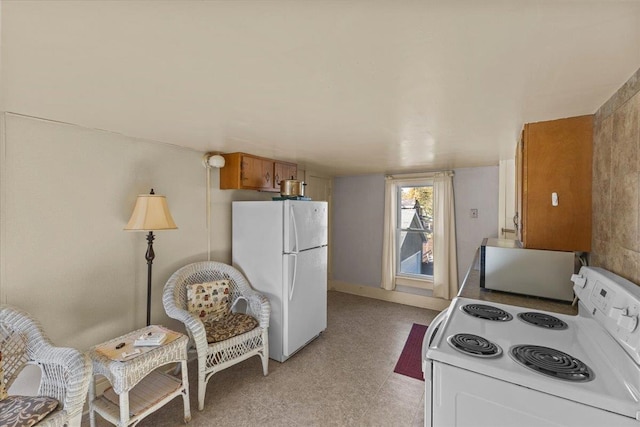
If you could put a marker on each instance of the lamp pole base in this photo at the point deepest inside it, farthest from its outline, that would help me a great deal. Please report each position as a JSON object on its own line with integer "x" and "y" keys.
{"x": 149, "y": 256}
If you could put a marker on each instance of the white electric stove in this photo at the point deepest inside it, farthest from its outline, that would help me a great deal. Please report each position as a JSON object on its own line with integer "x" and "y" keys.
{"x": 501, "y": 365}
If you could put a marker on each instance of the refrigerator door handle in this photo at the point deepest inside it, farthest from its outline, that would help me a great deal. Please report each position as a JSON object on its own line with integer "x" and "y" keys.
{"x": 295, "y": 228}
{"x": 292, "y": 284}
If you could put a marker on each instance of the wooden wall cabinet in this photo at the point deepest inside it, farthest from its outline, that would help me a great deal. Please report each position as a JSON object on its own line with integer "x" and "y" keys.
{"x": 555, "y": 157}
{"x": 248, "y": 172}
{"x": 284, "y": 170}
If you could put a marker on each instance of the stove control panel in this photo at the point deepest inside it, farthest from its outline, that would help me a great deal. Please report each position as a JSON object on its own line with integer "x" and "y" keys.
{"x": 613, "y": 302}
{"x": 601, "y": 296}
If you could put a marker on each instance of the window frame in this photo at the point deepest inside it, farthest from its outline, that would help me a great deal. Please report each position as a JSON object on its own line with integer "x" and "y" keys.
{"x": 422, "y": 281}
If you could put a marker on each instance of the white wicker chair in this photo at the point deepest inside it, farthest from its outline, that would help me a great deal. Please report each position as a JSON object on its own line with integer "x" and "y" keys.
{"x": 65, "y": 371}
{"x": 217, "y": 356}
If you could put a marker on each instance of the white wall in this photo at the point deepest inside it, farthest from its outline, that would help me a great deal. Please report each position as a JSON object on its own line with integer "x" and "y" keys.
{"x": 475, "y": 188}
{"x": 358, "y": 215}
{"x": 358, "y": 212}
{"x": 67, "y": 193}
{"x": 507, "y": 199}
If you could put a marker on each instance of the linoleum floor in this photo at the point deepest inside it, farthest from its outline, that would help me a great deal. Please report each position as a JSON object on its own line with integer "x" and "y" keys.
{"x": 343, "y": 378}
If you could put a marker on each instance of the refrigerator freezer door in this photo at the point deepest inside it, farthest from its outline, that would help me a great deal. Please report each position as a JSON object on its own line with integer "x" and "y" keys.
{"x": 305, "y": 299}
{"x": 305, "y": 225}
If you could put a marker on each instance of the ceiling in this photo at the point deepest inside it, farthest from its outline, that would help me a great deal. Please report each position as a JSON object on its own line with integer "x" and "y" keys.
{"x": 340, "y": 87}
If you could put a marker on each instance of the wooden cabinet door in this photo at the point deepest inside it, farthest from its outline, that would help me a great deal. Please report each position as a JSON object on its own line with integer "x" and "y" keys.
{"x": 557, "y": 158}
{"x": 284, "y": 171}
{"x": 518, "y": 219}
{"x": 256, "y": 172}
{"x": 247, "y": 172}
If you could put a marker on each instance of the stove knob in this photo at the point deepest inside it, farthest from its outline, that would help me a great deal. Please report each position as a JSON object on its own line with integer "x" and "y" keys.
{"x": 579, "y": 280}
{"x": 616, "y": 312}
{"x": 628, "y": 323}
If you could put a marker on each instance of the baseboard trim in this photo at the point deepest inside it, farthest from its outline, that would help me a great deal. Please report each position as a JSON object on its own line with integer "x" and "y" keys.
{"x": 421, "y": 301}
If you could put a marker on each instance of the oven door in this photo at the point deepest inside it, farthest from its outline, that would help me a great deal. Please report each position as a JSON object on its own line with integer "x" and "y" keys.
{"x": 469, "y": 399}
{"x": 427, "y": 365}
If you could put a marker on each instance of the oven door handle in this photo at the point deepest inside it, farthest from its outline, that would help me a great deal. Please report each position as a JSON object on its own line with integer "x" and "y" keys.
{"x": 435, "y": 326}
{"x": 428, "y": 338}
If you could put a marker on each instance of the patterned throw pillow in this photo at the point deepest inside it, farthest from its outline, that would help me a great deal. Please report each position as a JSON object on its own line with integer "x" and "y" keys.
{"x": 3, "y": 390}
{"x": 25, "y": 411}
{"x": 209, "y": 300}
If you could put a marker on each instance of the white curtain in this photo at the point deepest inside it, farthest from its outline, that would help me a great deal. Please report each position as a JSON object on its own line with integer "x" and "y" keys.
{"x": 445, "y": 271}
{"x": 389, "y": 238}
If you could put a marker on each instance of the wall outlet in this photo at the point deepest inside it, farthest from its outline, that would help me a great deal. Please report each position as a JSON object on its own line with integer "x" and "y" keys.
{"x": 474, "y": 213}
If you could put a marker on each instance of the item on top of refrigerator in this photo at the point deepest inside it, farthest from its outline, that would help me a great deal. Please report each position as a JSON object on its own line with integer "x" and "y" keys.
{"x": 279, "y": 198}
{"x": 292, "y": 187}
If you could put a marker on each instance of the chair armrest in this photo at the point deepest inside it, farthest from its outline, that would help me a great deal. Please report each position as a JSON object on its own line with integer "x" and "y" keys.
{"x": 66, "y": 373}
{"x": 193, "y": 324}
{"x": 258, "y": 306}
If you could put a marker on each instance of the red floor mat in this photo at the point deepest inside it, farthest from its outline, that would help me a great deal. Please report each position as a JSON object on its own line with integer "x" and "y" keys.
{"x": 410, "y": 361}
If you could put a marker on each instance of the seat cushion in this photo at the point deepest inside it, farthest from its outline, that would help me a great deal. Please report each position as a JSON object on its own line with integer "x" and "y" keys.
{"x": 25, "y": 411}
{"x": 229, "y": 326}
{"x": 209, "y": 300}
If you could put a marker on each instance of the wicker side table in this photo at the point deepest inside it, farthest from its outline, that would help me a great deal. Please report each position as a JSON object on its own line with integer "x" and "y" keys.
{"x": 138, "y": 386}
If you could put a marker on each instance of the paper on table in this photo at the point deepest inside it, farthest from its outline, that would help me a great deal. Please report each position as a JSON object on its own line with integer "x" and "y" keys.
{"x": 109, "y": 349}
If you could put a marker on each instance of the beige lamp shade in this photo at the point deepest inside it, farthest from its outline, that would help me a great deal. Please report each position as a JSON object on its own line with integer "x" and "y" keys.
{"x": 151, "y": 213}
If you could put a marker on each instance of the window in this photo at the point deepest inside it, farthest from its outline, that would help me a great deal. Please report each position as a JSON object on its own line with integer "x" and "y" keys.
{"x": 414, "y": 230}
{"x": 419, "y": 241}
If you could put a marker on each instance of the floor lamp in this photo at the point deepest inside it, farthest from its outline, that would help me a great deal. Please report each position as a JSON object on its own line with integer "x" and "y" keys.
{"x": 151, "y": 213}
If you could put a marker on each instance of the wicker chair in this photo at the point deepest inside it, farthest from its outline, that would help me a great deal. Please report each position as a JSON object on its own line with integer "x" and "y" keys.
{"x": 217, "y": 356}
{"x": 65, "y": 371}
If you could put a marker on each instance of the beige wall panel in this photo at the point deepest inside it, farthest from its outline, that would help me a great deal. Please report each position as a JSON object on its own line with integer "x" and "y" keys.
{"x": 67, "y": 195}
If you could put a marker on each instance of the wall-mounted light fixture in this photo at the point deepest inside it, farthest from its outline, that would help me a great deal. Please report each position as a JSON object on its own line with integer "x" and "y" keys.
{"x": 213, "y": 160}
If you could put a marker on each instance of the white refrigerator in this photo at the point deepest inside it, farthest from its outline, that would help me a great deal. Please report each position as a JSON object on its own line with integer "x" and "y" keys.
{"x": 281, "y": 247}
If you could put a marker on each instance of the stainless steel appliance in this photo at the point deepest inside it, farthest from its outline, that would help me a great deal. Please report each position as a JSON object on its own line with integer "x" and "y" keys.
{"x": 489, "y": 364}
{"x": 506, "y": 266}
{"x": 292, "y": 187}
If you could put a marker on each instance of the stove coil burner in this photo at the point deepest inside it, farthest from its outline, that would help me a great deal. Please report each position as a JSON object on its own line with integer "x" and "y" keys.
{"x": 550, "y": 362}
{"x": 543, "y": 320}
{"x": 487, "y": 312}
{"x": 474, "y": 345}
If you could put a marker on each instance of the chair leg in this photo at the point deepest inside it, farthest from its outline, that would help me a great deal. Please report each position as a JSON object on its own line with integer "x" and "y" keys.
{"x": 265, "y": 363}
{"x": 75, "y": 421}
{"x": 202, "y": 388}
{"x": 264, "y": 354}
{"x": 92, "y": 396}
{"x": 185, "y": 391}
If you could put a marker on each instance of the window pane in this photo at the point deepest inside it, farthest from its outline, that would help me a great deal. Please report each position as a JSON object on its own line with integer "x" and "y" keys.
{"x": 417, "y": 200}
{"x": 416, "y": 253}
{"x": 415, "y": 230}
